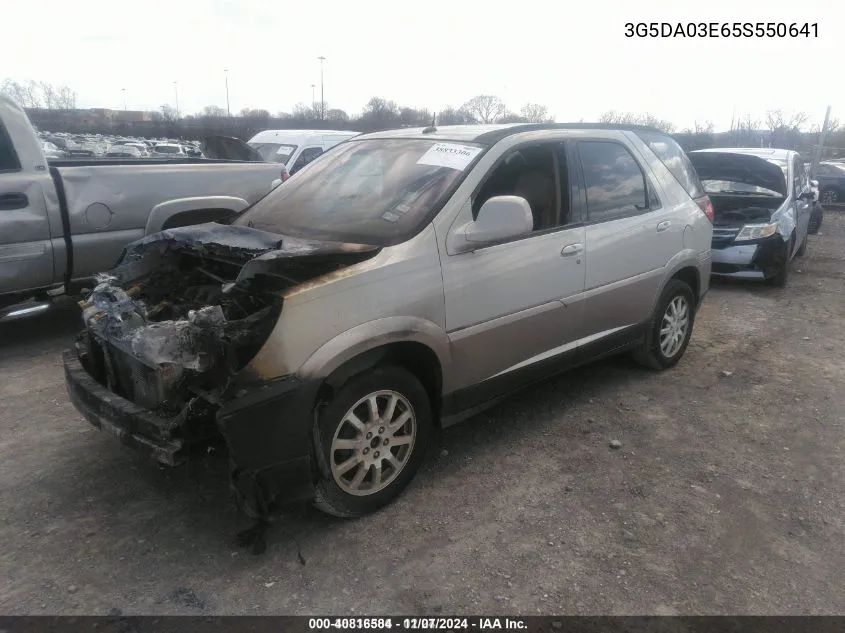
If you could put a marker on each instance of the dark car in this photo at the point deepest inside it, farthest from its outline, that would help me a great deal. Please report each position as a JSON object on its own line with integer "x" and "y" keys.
{"x": 831, "y": 177}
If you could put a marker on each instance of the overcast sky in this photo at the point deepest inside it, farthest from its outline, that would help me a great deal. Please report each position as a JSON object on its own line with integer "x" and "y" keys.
{"x": 570, "y": 56}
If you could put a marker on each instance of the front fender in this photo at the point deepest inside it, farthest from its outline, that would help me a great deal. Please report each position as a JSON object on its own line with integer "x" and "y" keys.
{"x": 374, "y": 334}
{"x": 166, "y": 210}
{"x": 786, "y": 221}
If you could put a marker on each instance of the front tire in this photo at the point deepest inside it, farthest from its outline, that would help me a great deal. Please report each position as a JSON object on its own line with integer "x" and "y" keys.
{"x": 373, "y": 437}
{"x": 803, "y": 248}
{"x": 778, "y": 276}
{"x": 670, "y": 328}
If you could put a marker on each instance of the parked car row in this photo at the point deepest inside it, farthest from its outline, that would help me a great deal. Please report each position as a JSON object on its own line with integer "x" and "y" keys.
{"x": 62, "y": 145}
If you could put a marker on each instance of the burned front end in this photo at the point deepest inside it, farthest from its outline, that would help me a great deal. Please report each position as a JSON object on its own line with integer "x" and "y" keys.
{"x": 169, "y": 331}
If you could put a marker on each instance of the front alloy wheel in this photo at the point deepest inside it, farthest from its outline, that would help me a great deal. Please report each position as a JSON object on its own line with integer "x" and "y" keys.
{"x": 372, "y": 437}
{"x": 373, "y": 442}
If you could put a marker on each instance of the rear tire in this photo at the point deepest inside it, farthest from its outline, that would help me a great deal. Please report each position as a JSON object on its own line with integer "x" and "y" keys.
{"x": 670, "y": 328}
{"x": 368, "y": 453}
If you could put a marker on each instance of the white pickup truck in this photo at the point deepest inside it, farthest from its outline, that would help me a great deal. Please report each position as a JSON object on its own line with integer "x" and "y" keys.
{"x": 62, "y": 222}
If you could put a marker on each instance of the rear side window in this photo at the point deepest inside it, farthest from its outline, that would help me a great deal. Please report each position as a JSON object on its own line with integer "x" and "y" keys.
{"x": 676, "y": 161}
{"x": 616, "y": 186}
{"x": 8, "y": 156}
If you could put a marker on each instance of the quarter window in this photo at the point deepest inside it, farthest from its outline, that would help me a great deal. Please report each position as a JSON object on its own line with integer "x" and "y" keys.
{"x": 616, "y": 186}
{"x": 676, "y": 161}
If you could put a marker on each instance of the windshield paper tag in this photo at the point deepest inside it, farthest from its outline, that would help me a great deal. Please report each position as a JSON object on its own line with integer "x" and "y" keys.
{"x": 449, "y": 155}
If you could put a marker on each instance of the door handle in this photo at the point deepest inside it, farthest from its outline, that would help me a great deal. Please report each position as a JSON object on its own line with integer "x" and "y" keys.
{"x": 663, "y": 226}
{"x": 12, "y": 201}
{"x": 572, "y": 249}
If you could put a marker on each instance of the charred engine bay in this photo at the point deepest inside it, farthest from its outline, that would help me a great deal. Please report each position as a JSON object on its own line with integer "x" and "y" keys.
{"x": 187, "y": 309}
{"x": 738, "y": 210}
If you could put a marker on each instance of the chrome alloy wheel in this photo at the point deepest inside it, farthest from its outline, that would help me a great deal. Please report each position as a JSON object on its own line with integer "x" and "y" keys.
{"x": 373, "y": 442}
{"x": 673, "y": 329}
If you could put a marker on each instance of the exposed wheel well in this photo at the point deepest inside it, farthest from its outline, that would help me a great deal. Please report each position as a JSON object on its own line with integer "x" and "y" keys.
{"x": 197, "y": 216}
{"x": 417, "y": 358}
{"x": 689, "y": 275}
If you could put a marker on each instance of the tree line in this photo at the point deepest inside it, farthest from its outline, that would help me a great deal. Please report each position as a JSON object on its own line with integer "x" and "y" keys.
{"x": 48, "y": 105}
{"x": 40, "y": 94}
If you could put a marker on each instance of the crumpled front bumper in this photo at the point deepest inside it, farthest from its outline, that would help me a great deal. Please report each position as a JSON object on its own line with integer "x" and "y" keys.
{"x": 133, "y": 425}
{"x": 267, "y": 430}
{"x": 749, "y": 260}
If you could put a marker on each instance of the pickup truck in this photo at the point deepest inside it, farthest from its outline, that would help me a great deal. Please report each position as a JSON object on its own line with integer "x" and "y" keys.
{"x": 62, "y": 222}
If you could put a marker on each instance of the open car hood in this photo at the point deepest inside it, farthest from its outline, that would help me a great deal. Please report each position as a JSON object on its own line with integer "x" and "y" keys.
{"x": 229, "y": 148}
{"x": 734, "y": 167}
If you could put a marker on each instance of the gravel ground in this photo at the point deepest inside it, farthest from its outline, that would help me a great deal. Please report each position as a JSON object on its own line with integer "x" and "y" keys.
{"x": 726, "y": 494}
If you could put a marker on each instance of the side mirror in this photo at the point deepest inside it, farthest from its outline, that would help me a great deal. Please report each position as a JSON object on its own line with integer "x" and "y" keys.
{"x": 500, "y": 218}
{"x": 275, "y": 183}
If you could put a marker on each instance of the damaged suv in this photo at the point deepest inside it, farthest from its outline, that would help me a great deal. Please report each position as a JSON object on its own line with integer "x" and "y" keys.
{"x": 402, "y": 282}
{"x": 763, "y": 202}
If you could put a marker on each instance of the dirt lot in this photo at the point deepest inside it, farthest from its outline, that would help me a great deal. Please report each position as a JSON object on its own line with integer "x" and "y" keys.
{"x": 727, "y": 496}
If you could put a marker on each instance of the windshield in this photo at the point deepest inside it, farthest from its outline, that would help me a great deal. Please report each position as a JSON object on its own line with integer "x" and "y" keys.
{"x": 274, "y": 152}
{"x": 166, "y": 149}
{"x": 375, "y": 191}
{"x": 729, "y": 186}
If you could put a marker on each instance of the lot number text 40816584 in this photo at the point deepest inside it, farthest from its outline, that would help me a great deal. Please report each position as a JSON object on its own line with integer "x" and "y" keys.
{"x": 721, "y": 29}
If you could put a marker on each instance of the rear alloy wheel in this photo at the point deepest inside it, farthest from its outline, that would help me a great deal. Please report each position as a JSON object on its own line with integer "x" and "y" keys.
{"x": 373, "y": 437}
{"x": 670, "y": 328}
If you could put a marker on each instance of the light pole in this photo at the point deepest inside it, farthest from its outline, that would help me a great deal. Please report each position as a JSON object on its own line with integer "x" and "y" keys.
{"x": 123, "y": 90}
{"x": 176, "y": 89}
{"x": 322, "y": 93}
{"x": 226, "y": 73}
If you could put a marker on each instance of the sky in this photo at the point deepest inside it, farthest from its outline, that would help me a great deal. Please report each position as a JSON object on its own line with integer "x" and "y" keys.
{"x": 571, "y": 56}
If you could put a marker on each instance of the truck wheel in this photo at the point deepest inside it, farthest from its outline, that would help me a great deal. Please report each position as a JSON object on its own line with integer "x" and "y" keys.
{"x": 670, "y": 329}
{"x": 373, "y": 436}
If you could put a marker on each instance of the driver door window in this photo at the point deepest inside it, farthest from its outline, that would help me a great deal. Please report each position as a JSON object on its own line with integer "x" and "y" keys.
{"x": 308, "y": 154}
{"x": 536, "y": 173}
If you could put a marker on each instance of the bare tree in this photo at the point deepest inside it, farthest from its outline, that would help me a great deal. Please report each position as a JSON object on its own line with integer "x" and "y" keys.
{"x": 48, "y": 93}
{"x": 453, "y": 116}
{"x": 629, "y": 118}
{"x": 213, "y": 111}
{"x": 27, "y": 95}
{"x": 535, "y": 113}
{"x": 250, "y": 113}
{"x": 380, "y": 113}
{"x": 511, "y": 117}
{"x": 485, "y": 108}
{"x": 337, "y": 115}
{"x": 305, "y": 112}
{"x": 65, "y": 98}
{"x": 414, "y": 117}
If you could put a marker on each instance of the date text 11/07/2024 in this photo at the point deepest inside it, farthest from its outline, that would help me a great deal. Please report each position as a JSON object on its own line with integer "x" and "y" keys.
{"x": 722, "y": 29}
{"x": 418, "y": 624}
